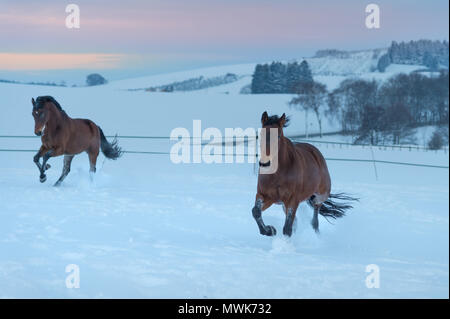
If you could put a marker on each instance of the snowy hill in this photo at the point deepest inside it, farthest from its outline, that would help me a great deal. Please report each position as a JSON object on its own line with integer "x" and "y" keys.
{"x": 351, "y": 63}
{"x": 330, "y": 70}
{"x": 162, "y": 79}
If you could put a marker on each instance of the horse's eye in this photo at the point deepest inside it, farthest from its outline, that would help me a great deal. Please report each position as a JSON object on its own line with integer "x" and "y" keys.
{"x": 42, "y": 115}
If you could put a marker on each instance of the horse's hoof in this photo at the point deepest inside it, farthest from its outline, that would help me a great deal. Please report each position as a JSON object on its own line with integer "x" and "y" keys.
{"x": 47, "y": 166}
{"x": 270, "y": 231}
{"x": 42, "y": 179}
{"x": 287, "y": 232}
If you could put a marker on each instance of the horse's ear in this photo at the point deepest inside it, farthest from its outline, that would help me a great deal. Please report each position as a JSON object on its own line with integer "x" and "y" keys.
{"x": 264, "y": 117}
{"x": 282, "y": 120}
{"x": 33, "y": 102}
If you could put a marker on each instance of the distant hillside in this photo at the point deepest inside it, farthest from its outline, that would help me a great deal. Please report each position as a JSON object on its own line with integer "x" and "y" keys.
{"x": 336, "y": 62}
{"x": 431, "y": 54}
{"x": 416, "y": 52}
{"x": 62, "y": 84}
{"x": 332, "y": 53}
{"x": 329, "y": 66}
{"x": 198, "y": 83}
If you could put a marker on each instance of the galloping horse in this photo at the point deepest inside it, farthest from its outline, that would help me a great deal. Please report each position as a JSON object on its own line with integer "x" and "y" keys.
{"x": 301, "y": 175}
{"x": 62, "y": 135}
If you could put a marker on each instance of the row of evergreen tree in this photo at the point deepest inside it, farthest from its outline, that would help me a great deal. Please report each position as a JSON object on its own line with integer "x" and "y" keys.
{"x": 280, "y": 78}
{"x": 198, "y": 83}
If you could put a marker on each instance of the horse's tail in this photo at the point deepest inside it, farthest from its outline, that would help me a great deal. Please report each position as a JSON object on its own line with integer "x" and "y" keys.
{"x": 110, "y": 150}
{"x": 330, "y": 208}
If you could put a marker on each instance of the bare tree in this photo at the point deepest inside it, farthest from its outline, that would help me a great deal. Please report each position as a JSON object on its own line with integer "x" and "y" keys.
{"x": 397, "y": 123}
{"x": 312, "y": 97}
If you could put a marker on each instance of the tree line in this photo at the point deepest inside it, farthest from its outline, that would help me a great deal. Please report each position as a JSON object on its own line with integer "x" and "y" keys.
{"x": 432, "y": 54}
{"x": 278, "y": 77}
{"x": 198, "y": 83}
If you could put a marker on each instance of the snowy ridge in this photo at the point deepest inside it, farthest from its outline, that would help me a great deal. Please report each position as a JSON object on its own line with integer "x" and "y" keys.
{"x": 356, "y": 63}
{"x": 163, "y": 79}
{"x": 330, "y": 70}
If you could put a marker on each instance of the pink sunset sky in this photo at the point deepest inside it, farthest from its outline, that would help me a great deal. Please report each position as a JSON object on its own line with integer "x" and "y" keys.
{"x": 173, "y": 34}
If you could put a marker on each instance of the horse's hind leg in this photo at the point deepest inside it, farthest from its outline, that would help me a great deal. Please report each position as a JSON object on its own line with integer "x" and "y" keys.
{"x": 66, "y": 169}
{"x": 316, "y": 202}
{"x": 92, "y": 162}
{"x": 315, "y": 219}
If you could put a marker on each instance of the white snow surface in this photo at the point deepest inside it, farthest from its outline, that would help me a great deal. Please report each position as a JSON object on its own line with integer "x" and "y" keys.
{"x": 148, "y": 228}
{"x": 357, "y": 62}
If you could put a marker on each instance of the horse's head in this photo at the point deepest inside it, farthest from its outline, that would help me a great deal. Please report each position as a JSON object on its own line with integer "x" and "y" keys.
{"x": 41, "y": 114}
{"x": 271, "y": 134}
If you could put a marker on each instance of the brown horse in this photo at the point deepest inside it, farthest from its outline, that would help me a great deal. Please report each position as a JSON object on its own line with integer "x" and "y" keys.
{"x": 62, "y": 135}
{"x": 300, "y": 174}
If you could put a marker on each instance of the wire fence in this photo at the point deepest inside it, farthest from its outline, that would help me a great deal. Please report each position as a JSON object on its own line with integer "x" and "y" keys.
{"x": 295, "y": 138}
{"x": 381, "y": 146}
{"x": 236, "y": 140}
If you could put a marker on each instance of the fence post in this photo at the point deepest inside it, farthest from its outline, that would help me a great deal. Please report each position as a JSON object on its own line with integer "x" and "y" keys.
{"x": 374, "y": 164}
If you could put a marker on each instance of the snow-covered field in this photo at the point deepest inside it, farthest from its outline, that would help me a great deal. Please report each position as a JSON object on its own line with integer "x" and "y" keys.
{"x": 149, "y": 228}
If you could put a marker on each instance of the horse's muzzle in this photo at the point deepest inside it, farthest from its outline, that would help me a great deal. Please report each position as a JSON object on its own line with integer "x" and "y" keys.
{"x": 41, "y": 131}
{"x": 264, "y": 164}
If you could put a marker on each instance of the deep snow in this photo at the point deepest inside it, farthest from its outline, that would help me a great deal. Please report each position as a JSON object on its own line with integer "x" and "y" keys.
{"x": 149, "y": 228}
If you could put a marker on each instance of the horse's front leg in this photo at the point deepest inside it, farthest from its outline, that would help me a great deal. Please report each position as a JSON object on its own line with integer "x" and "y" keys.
{"x": 290, "y": 211}
{"x": 45, "y": 166}
{"x": 38, "y": 155}
{"x": 267, "y": 230}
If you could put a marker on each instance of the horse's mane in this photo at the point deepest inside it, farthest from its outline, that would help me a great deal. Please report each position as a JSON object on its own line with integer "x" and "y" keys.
{"x": 274, "y": 119}
{"x": 47, "y": 98}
